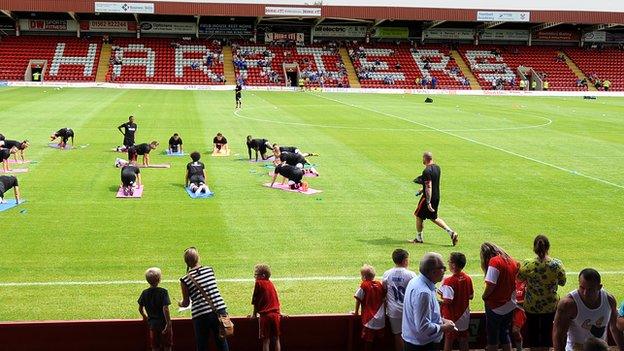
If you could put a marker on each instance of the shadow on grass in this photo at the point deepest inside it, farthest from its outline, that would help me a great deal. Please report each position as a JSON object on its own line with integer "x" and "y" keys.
{"x": 113, "y": 188}
{"x": 178, "y": 185}
{"x": 403, "y": 243}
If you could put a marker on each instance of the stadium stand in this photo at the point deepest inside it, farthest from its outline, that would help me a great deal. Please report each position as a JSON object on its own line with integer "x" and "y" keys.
{"x": 68, "y": 59}
{"x": 605, "y": 64}
{"x": 490, "y": 63}
{"x": 161, "y": 60}
{"x": 263, "y": 65}
{"x": 392, "y": 66}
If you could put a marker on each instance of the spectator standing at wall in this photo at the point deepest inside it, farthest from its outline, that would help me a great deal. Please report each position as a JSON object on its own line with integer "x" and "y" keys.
{"x": 543, "y": 274}
{"x": 423, "y": 325}
{"x": 395, "y": 282}
{"x": 370, "y": 296}
{"x": 205, "y": 318}
{"x": 266, "y": 304}
{"x": 584, "y": 313}
{"x": 457, "y": 291}
{"x": 154, "y": 308}
{"x": 499, "y": 296}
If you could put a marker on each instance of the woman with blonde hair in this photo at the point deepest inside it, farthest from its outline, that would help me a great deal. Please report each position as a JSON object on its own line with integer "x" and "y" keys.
{"x": 499, "y": 296}
{"x": 204, "y": 313}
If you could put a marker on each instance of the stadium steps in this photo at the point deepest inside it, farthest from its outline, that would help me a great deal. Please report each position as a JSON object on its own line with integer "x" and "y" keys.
{"x": 577, "y": 71}
{"x": 474, "y": 83}
{"x": 354, "y": 82}
{"x": 228, "y": 65}
{"x": 104, "y": 63}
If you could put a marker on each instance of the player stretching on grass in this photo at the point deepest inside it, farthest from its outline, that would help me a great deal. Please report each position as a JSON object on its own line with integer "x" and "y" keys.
{"x": 258, "y": 145}
{"x": 237, "y": 91}
{"x": 64, "y": 134}
{"x": 430, "y": 199}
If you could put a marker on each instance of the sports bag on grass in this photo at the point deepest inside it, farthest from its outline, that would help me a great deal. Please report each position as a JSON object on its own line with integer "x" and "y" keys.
{"x": 226, "y": 326}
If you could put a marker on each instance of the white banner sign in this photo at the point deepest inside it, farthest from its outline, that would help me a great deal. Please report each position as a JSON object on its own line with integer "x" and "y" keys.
{"x": 595, "y": 37}
{"x": 292, "y": 11}
{"x": 108, "y": 26}
{"x": 168, "y": 27}
{"x": 124, "y": 7}
{"x": 507, "y": 16}
{"x": 47, "y": 25}
{"x": 271, "y": 37}
{"x": 340, "y": 31}
{"x": 505, "y": 35}
{"x": 449, "y": 33}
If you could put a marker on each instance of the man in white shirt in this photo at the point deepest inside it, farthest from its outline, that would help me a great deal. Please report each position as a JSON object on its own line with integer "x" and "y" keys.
{"x": 423, "y": 325}
{"x": 395, "y": 282}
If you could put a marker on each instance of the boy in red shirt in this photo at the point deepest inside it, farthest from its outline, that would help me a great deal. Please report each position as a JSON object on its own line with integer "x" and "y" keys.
{"x": 370, "y": 296}
{"x": 266, "y": 304}
{"x": 457, "y": 291}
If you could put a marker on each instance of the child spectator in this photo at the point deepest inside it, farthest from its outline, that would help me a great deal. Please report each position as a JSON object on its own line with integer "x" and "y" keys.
{"x": 266, "y": 304}
{"x": 154, "y": 307}
{"x": 395, "y": 282}
{"x": 457, "y": 291}
{"x": 519, "y": 316}
{"x": 370, "y": 296}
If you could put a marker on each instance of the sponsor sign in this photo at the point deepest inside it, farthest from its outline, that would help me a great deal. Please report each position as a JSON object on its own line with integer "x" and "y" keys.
{"x": 292, "y": 11}
{"x": 124, "y": 7}
{"x": 449, "y": 33}
{"x": 168, "y": 27}
{"x": 226, "y": 29}
{"x": 391, "y": 32}
{"x": 47, "y": 25}
{"x": 507, "y": 16}
{"x": 505, "y": 35}
{"x": 555, "y": 35}
{"x": 108, "y": 26}
{"x": 271, "y": 37}
{"x": 7, "y": 26}
{"x": 340, "y": 31}
{"x": 615, "y": 37}
{"x": 595, "y": 37}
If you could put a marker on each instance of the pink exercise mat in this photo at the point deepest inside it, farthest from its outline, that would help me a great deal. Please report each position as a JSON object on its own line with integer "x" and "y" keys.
{"x": 16, "y": 170}
{"x": 285, "y": 187}
{"x": 138, "y": 193}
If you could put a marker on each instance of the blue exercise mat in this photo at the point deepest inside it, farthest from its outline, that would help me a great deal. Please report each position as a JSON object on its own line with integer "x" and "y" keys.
{"x": 174, "y": 153}
{"x": 200, "y": 196}
{"x": 10, "y": 204}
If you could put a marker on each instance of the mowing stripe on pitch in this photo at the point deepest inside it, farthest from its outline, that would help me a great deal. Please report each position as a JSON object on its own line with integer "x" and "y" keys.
{"x": 224, "y": 280}
{"x": 477, "y": 142}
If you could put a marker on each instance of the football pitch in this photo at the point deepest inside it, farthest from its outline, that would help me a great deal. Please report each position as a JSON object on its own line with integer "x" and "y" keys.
{"x": 512, "y": 167}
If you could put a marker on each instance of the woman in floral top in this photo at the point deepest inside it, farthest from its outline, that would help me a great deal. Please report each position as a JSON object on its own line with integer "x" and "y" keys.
{"x": 542, "y": 275}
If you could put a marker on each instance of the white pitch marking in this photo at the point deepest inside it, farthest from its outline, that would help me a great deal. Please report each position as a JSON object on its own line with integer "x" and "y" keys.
{"x": 224, "y": 280}
{"x": 479, "y": 143}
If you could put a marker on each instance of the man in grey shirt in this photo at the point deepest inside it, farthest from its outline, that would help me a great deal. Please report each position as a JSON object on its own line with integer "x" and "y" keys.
{"x": 423, "y": 325}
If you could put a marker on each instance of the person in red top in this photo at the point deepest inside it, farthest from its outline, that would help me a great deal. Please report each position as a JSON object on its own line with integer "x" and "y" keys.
{"x": 500, "y": 294}
{"x": 370, "y": 296}
{"x": 266, "y": 304}
{"x": 457, "y": 291}
{"x": 519, "y": 316}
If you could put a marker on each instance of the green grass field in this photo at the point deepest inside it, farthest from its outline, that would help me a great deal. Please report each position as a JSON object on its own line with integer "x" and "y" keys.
{"x": 512, "y": 167}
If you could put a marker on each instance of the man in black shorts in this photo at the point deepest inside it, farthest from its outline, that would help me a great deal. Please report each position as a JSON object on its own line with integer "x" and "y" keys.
{"x": 292, "y": 173}
{"x": 20, "y": 145}
{"x": 430, "y": 199}
{"x": 6, "y": 183}
{"x": 196, "y": 175}
{"x": 220, "y": 144}
{"x": 130, "y": 176}
{"x": 258, "y": 145}
{"x": 141, "y": 149}
{"x": 175, "y": 144}
{"x": 64, "y": 134}
{"x": 4, "y": 157}
{"x": 128, "y": 130}
{"x": 237, "y": 91}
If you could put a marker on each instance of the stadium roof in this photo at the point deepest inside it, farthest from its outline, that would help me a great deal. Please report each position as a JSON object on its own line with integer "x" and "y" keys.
{"x": 534, "y": 11}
